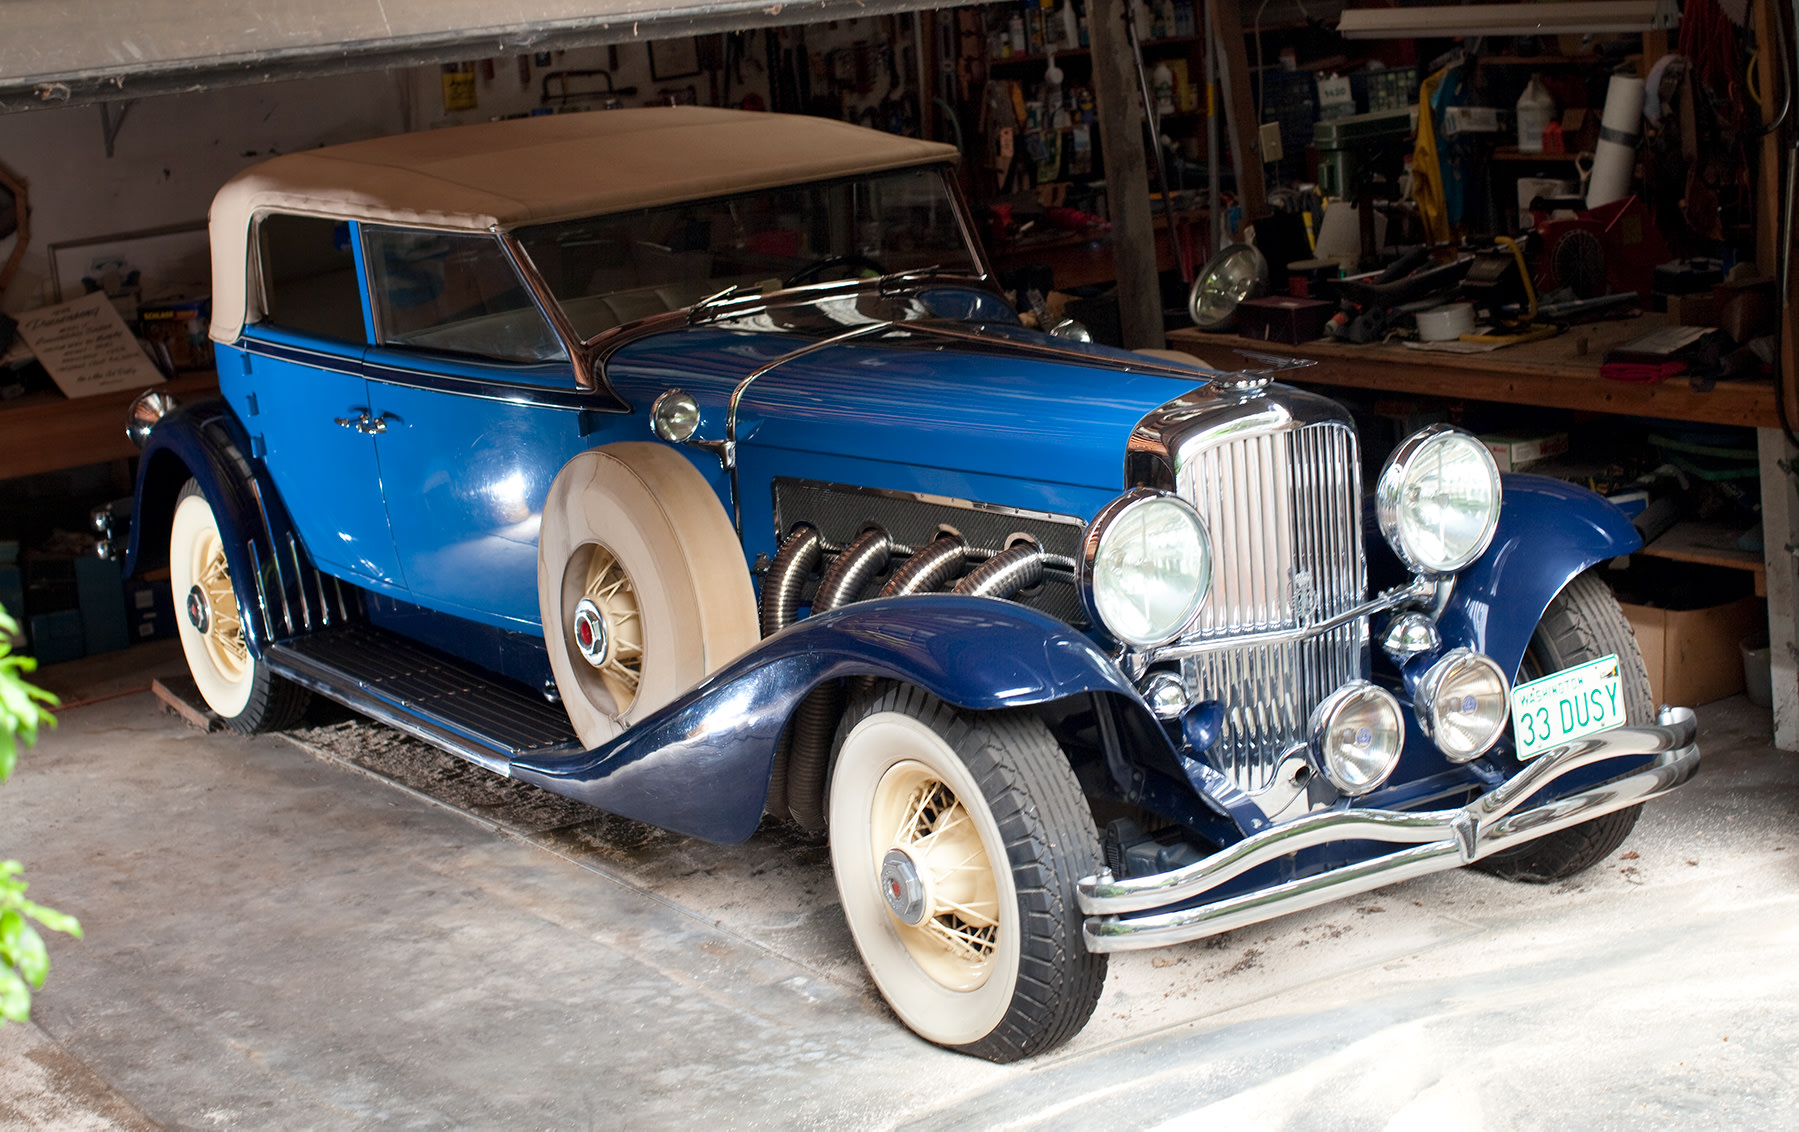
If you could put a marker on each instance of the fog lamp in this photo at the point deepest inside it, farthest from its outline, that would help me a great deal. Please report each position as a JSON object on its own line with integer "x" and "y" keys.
{"x": 675, "y": 416}
{"x": 1357, "y": 734}
{"x": 1463, "y": 704}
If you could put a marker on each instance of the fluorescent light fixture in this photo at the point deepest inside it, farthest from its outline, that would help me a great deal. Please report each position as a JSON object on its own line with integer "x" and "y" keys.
{"x": 1445, "y": 22}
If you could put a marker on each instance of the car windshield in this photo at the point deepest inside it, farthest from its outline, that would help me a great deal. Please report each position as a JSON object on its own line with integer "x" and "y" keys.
{"x": 609, "y": 270}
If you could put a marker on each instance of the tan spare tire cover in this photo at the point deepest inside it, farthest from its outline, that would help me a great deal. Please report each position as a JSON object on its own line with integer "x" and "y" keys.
{"x": 646, "y": 507}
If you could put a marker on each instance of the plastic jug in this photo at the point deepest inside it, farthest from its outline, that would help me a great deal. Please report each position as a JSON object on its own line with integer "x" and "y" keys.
{"x": 1536, "y": 109}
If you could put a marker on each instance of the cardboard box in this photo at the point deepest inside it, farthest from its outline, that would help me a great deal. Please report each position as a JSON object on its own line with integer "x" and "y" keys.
{"x": 1282, "y": 319}
{"x": 1692, "y": 654}
{"x": 1512, "y": 453}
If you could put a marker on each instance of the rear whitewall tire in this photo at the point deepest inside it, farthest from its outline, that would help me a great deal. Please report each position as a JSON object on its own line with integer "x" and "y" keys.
{"x": 236, "y": 684}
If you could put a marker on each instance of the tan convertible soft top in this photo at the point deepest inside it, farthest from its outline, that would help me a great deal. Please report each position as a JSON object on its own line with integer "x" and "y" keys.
{"x": 533, "y": 170}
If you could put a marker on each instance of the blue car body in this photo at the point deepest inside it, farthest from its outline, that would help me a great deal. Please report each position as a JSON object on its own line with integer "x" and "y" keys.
{"x": 381, "y": 511}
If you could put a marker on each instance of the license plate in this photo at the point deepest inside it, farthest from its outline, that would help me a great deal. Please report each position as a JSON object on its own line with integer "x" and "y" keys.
{"x": 1566, "y": 705}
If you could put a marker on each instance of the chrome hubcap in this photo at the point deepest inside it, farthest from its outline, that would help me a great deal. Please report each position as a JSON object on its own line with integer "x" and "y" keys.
{"x": 590, "y": 633}
{"x": 903, "y": 887}
{"x": 199, "y": 615}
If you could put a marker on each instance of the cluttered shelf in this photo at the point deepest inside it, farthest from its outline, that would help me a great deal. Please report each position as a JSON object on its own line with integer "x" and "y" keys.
{"x": 1709, "y": 544}
{"x": 1560, "y": 372}
{"x": 46, "y": 432}
{"x": 1084, "y": 258}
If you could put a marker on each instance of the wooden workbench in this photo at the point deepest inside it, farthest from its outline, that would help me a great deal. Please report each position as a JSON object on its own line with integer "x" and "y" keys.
{"x": 1560, "y": 372}
{"x": 46, "y": 432}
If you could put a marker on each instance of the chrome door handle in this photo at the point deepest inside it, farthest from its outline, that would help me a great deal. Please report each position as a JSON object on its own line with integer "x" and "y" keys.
{"x": 363, "y": 423}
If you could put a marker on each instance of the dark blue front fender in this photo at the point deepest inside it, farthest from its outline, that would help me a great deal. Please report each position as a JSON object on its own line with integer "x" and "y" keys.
{"x": 701, "y": 766}
{"x": 205, "y": 442}
{"x": 1549, "y": 532}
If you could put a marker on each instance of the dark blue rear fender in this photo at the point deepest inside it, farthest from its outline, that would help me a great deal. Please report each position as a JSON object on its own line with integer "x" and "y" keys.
{"x": 1549, "y": 532}
{"x": 701, "y": 766}
{"x": 205, "y": 442}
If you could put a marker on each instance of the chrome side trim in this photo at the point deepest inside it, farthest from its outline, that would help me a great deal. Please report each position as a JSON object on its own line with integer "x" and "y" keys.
{"x": 1436, "y": 840}
{"x": 511, "y": 393}
{"x": 729, "y": 456}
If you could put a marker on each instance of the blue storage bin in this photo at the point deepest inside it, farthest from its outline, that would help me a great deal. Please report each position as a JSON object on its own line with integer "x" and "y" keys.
{"x": 56, "y": 637}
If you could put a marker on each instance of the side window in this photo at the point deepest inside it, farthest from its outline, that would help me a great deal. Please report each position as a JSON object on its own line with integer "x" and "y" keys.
{"x": 454, "y": 293}
{"x": 309, "y": 277}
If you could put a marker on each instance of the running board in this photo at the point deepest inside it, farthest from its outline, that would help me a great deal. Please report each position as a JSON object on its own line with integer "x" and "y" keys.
{"x": 433, "y": 696}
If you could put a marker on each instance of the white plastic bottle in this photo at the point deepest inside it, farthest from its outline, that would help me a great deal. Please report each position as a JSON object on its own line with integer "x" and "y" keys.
{"x": 1536, "y": 109}
{"x": 1161, "y": 81}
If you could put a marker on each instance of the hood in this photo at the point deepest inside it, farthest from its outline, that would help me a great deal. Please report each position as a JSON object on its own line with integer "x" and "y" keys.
{"x": 1002, "y": 406}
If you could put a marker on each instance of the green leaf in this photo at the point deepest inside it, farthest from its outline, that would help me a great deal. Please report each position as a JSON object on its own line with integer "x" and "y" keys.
{"x": 11, "y": 924}
{"x": 15, "y": 996}
{"x": 34, "y": 957}
{"x": 53, "y": 920}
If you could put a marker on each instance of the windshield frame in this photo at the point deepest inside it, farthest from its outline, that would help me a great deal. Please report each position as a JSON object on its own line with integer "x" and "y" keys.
{"x": 587, "y": 352}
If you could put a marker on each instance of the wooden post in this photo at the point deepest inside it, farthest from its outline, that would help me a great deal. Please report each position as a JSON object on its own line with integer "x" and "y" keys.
{"x": 1780, "y": 501}
{"x": 1240, "y": 116}
{"x": 1127, "y": 177}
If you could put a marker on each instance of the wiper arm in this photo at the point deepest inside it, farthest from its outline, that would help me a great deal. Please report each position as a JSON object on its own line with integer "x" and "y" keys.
{"x": 893, "y": 280}
{"x": 701, "y": 308}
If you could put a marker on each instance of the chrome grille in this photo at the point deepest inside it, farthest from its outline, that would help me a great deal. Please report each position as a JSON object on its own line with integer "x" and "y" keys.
{"x": 1284, "y": 511}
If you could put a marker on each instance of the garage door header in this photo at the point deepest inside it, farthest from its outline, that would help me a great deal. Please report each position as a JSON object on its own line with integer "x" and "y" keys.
{"x": 64, "y": 52}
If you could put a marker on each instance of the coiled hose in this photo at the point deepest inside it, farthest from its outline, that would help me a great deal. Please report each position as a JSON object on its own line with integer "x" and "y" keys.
{"x": 815, "y": 722}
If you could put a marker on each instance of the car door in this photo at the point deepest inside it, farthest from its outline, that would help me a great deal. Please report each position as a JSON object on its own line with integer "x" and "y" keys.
{"x": 481, "y": 411}
{"x": 302, "y": 396}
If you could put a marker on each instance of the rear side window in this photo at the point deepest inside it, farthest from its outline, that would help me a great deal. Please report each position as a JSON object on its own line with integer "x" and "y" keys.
{"x": 309, "y": 277}
{"x": 454, "y": 293}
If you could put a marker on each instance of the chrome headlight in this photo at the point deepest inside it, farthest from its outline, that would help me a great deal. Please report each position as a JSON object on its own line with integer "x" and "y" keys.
{"x": 1438, "y": 500}
{"x": 1357, "y": 735}
{"x": 1463, "y": 704}
{"x": 146, "y": 409}
{"x": 1146, "y": 567}
{"x": 1071, "y": 331}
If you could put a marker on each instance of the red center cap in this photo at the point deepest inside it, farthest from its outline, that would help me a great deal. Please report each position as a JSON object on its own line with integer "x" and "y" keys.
{"x": 584, "y": 634}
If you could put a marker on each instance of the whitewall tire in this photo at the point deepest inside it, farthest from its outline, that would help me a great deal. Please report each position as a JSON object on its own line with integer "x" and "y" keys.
{"x": 957, "y": 839}
{"x": 235, "y": 684}
{"x": 641, "y": 584}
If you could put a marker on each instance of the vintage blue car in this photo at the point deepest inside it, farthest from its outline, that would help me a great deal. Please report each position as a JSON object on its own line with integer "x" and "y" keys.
{"x": 688, "y": 462}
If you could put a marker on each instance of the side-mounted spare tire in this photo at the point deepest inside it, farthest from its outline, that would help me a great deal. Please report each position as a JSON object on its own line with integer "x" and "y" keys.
{"x": 641, "y": 585}
{"x": 1583, "y": 623}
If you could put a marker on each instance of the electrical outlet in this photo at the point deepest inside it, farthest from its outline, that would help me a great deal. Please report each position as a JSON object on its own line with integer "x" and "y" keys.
{"x": 1271, "y": 141}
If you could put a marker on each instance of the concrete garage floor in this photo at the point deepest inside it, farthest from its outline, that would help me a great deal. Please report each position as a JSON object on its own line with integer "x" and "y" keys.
{"x": 341, "y": 927}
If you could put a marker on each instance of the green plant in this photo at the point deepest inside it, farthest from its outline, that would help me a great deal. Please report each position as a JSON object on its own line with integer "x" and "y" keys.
{"x": 23, "y": 959}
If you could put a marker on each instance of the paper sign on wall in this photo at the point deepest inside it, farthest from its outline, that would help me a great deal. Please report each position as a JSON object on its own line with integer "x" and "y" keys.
{"x": 86, "y": 347}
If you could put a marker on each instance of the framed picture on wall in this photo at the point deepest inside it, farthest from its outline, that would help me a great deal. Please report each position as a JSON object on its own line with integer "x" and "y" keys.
{"x": 674, "y": 59}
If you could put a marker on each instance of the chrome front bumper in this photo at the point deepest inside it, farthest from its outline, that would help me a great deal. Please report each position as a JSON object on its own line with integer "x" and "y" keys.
{"x": 1122, "y": 915}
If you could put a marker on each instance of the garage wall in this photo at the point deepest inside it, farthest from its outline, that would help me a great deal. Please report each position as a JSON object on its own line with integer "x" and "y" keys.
{"x": 174, "y": 151}
{"x": 171, "y": 155}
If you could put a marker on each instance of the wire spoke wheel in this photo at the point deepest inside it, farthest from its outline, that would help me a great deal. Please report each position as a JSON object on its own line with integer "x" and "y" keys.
{"x": 956, "y": 935}
{"x": 619, "y": 658}
{"x": 957, "y": 839}
{"x": 235, "y": 683}
{"x": 224, "y": 633}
